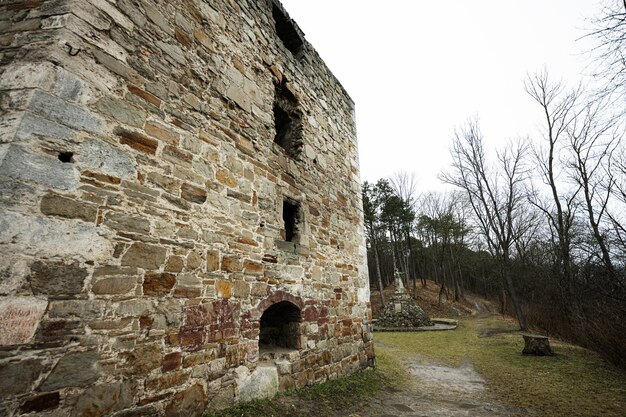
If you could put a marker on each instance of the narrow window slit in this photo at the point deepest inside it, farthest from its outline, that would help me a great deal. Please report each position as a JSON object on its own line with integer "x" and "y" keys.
{"x": 291, "y": 213}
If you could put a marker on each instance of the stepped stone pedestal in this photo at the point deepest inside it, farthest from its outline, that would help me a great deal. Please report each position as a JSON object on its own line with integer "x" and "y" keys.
{"x": 402, "y": 311}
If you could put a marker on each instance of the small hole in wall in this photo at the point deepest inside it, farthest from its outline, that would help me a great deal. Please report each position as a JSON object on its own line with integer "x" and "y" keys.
{"x": 66, "y": 157}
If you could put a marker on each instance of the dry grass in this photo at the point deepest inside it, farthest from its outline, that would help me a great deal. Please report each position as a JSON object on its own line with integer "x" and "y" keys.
{"x": 575, "y": 382}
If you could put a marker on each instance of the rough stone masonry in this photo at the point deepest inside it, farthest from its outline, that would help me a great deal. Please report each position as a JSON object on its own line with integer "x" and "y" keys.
{"x": 180, "y": 216}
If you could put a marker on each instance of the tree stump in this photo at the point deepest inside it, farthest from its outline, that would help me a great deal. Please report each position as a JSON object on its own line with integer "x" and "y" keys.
{"x": 537, "y": 345}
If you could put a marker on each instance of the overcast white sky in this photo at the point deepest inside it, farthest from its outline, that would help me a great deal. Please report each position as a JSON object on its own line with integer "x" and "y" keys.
{"x": 417, "y": 69}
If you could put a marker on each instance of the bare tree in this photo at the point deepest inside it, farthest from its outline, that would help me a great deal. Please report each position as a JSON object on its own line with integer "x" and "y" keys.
{"x": 616, "y": 173}
{"x": 559, "y": 111}
{"x": 404, "y": 185}
{"x": 585, "y": 132}
{"x": 609, "y": 31}
{"x": 497, "y": 198}
{"x": 592, "y": 140}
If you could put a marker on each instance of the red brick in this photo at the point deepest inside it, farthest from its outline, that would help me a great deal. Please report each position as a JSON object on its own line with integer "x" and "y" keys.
{"x": 144, "y": 95}
{"x": 137, "y": 141}
{"x": 172, "y": 361}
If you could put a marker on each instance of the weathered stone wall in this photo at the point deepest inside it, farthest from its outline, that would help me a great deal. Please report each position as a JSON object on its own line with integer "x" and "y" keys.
{"x": 141, "y": 198}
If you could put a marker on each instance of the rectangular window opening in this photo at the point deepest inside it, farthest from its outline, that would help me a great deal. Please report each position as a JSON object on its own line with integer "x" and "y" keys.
{"x": 291, "y": 214}
{"x": 286, "y": 31}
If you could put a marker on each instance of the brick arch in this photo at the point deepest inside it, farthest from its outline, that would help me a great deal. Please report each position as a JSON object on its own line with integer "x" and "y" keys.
{"x": 274, "y": 298}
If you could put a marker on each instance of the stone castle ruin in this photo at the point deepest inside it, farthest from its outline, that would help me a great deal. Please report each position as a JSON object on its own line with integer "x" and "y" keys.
{"x": 180, "y": 214}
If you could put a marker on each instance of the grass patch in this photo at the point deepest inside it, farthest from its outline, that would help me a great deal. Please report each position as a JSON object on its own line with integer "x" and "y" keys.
{"x": 576, "y": 382}
{"x": 330, "y": 398}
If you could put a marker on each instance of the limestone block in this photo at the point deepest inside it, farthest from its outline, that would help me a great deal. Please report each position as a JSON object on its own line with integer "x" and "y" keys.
{"x": 174, "y": 264}
{"x": 19, "y": 75}
{"x": 130, "y": 9}
{"x": 157, "y": 18}
{"x": 223, "y": 289}
{"x": 135, "y": 308}
{"x": 103, "y": 399}
{"x": 172, "y": 310}
{"x": 56, "y": 205}
{"x": 193, "y": 194}
{"x": 108, "y": 159}
{"x": 41, "y": 169}
{"x": 211, "y": 13}
{"x": 113, "y": 285}
{"x": 121, "y": 111}
{"x": 32, "y": 127}
{"x": 67, "y": 86}
{"x": 73, "y": 370}
{"x": 55, "y": 278}
{"x": 215, "y": 369}
{"x": 145, "y": 358}
{"x": 173, "y": 51}
{"x": 127, "y": 223}
{"x": 13, "y": 272}
{"x": 114, "y": 13}
{"x": 162, "y": 133}
{"x": 63, "y": 112}
{"x": 189, "y": 403}
{"x": 258, "y": 384}
{"x": 232, "y": 263}
{"x": 46, "y": 237}
{"x": 241, "y": 289}
{"x": 83, "y": 309}
{"x": 144, "y": 255}
{"x": 182, "y": 21}
{"x": 117, "y": 67}
{"x": 137, "y": 141}
{"x": 237, "y": 94}
{"x": 172, "y": 361}
{"x": 167, "y": 381}
{"x": 19, "y": 377}
{"x": 84, "y": 30}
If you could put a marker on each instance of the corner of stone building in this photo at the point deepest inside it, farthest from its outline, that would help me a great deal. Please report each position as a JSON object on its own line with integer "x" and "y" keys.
{"x": 143, "y": 248}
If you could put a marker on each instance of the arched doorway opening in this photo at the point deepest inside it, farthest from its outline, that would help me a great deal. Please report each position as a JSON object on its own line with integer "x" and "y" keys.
{"x": 280, "y": 329}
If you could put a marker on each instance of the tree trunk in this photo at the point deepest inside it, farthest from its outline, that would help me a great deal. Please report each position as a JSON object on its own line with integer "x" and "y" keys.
{"x": 378, "y": 273}
{"x": 502, "y": 298}
{"x": 442, "y": 290}
{"x": 508, "y": 284}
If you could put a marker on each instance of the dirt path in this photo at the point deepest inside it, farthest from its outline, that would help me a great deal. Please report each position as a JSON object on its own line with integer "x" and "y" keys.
{"x": 439, "y": 390}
